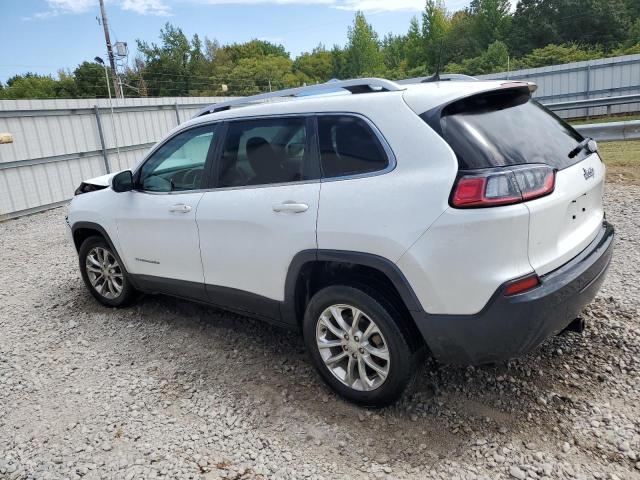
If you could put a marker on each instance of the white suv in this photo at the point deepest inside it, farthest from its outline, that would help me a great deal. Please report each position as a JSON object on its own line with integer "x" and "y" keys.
{"x": 455, "y": 217}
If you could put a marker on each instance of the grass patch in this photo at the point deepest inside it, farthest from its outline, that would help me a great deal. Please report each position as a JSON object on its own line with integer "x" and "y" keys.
{"x": 611, "y": 118}
{"x": 622, "y": 160}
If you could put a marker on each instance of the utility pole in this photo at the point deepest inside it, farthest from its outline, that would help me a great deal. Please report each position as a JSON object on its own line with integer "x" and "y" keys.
{"x": 105, "y": 24}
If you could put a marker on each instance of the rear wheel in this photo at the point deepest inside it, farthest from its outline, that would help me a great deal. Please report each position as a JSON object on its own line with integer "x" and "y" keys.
{"x": 357, "y": 346}
{"x": 103, "y": 273}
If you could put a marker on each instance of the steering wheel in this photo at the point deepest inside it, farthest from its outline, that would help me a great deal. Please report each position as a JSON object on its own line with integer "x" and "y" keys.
{"x": 193, "y": 177}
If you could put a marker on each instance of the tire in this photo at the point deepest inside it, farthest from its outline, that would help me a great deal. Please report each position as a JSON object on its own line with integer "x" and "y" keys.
{"x": 377, "y": 390}
{"x": 118, "y": 291}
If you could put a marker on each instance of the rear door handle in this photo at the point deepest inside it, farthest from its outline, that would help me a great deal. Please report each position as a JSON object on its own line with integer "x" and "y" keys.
{"x": 180, "y": 208}
{"x": 291, "y": 207}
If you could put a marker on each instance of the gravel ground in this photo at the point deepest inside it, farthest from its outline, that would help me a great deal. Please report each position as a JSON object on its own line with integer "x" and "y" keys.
{"x": 176, "y": 390}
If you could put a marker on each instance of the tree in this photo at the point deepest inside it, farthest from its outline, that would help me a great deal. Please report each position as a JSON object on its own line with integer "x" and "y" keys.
{"x": 537, "y": 23}
{"x": 316, "y": 66}
{"x": 435, "y": 27}
{"x": 394, "y": 55}
{"x": 164, "y": 64}
{"x": 633, "y": 37}
{"x": 533, "y": 25}
{"x": 493, "y": 59}
{"x": 90, "y": 80}
{"x": 558, "y": 54}
{"x": 461, "y": 42}
{"x": 30, "y": 85}
{"x": 415, "y": 46}
{"x": 491, "y": 20}
{"x": 362, "y": 53}
{"x": 258, "y": 74}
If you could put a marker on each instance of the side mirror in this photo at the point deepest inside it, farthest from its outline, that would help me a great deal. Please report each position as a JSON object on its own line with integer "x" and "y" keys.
{"x": 122, "y": 182}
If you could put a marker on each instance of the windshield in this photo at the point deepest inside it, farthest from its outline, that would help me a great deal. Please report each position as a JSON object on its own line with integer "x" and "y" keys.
{"x": 507, "y": 128}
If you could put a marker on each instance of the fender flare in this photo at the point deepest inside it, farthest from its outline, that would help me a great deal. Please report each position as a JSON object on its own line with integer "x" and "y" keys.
{"x": 383, "y": 265}
{"x": 100, "y": 229}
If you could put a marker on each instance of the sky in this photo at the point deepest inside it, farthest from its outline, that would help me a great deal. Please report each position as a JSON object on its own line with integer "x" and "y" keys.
{"x": 43, "y": 36}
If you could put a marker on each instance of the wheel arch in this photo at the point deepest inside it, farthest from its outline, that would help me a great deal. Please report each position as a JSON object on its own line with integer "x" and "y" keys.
{"x": 80, "y": 231}
{"x": 311, "y": 270}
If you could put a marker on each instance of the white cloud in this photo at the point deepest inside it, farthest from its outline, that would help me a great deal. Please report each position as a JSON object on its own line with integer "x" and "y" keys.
{"x": 163, "y": 8}
{"x": 352, "y": 5}
{"x": 70, "y": 6}
{"x": 141, "y": 7}
{"x": 147, "y": 7}
{"x": 380, "y": 5}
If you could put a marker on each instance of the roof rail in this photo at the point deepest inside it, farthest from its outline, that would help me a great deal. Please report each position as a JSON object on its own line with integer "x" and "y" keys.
{"x": 358, "y": 85}
{"x": 444, "y": 77}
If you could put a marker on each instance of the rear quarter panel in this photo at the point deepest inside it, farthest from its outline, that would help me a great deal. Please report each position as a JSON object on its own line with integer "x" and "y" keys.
{"x": 385, "y": 214}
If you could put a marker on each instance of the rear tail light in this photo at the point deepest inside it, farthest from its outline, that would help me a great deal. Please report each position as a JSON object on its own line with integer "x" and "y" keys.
{"x": 503, "y": 186}
{"x": 521, "y": 285}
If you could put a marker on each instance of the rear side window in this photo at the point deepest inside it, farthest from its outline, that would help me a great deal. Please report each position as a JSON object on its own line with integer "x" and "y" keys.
{"x": 507, "y": 128}
{"x": 348, "y": 146}
{"x": 264, "y": 151}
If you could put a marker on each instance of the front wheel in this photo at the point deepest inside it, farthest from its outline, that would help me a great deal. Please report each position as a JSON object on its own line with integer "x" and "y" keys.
{"x": 357, "y": 346}
{"x": 103, "y": 273}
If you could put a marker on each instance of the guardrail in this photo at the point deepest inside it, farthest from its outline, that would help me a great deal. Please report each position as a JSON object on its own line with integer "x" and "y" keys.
{"x": 593, "y": 102}
{"x": 612, "y": 131}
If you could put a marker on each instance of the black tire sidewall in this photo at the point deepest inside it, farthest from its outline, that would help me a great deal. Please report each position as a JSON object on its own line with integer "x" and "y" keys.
{"x": 385, "y": 317}
{"x": 127, "y": 289}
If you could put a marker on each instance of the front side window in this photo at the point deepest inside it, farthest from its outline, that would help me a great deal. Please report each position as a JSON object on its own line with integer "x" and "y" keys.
{"x": 348, "y": 146}
{"x": 265, "y": 151}
{"x": 178, "y": 164}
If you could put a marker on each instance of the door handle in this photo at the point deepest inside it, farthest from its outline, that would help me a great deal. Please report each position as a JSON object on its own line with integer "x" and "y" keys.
{"x": 180, "y": 208}
{"x": 291, "y": 207}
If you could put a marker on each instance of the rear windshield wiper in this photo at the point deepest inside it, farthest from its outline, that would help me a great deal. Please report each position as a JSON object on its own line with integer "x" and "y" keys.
{"x": 588, "y": 144}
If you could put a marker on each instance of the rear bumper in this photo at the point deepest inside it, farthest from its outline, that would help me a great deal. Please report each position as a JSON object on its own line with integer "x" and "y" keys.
{"x": 508, "y": 327}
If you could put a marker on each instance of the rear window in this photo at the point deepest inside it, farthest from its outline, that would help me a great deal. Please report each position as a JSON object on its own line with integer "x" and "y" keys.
{"x": 507, "y": 128}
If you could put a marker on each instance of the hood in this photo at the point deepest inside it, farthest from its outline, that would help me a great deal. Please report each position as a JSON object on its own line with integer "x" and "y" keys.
{"x": 102, "y": 181}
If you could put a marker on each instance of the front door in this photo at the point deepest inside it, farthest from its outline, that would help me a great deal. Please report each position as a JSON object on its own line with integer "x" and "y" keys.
{"x": 262, "y": 211}
{"x": 156, "y": 221}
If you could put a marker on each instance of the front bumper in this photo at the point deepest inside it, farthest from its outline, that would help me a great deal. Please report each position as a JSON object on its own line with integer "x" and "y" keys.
{"x": 509, "y": 327}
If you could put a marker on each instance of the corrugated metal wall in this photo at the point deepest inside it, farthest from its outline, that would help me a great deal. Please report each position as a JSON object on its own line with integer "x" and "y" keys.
{"x": 605, "y": 77}
{"x": 57, "y": 143}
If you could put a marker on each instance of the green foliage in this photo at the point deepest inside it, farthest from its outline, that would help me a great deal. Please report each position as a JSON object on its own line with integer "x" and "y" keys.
{"x": 90, "y": 80}
{"x": 633, "y": 37}
{"x": 537, "y": 23}
{"x": 316, "y": 66}
{"x": 30, "y": 86}
{"x": 257, "y": 74}
{"x": 490, "y": 20}
{"x": 435, "y": 29}
{"x": 486, "y": 37}
{"x": 363, "y": 57}
{"x": 494, "y": 59}
{"x": 557, "y": 54}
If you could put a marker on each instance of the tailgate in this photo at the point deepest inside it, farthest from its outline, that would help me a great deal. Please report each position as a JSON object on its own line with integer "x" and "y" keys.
{"x": 562, "y": 224}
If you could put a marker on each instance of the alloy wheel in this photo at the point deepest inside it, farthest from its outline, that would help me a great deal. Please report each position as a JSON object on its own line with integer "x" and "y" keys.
{"x": 104, "y": 272}
{"x": 352, "y": 347}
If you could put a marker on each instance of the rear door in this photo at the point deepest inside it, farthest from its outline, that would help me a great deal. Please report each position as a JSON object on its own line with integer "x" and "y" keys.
{"x": 506, "y": 127}
{"x": 260, "y": 213}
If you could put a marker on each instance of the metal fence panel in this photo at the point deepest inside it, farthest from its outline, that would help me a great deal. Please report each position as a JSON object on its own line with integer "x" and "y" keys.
{"x": 603, "y": 77}
{"x": 57, "y": 143}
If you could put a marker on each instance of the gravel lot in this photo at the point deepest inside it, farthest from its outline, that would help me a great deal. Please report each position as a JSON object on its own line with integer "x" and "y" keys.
{"x": 176, "y": 390}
